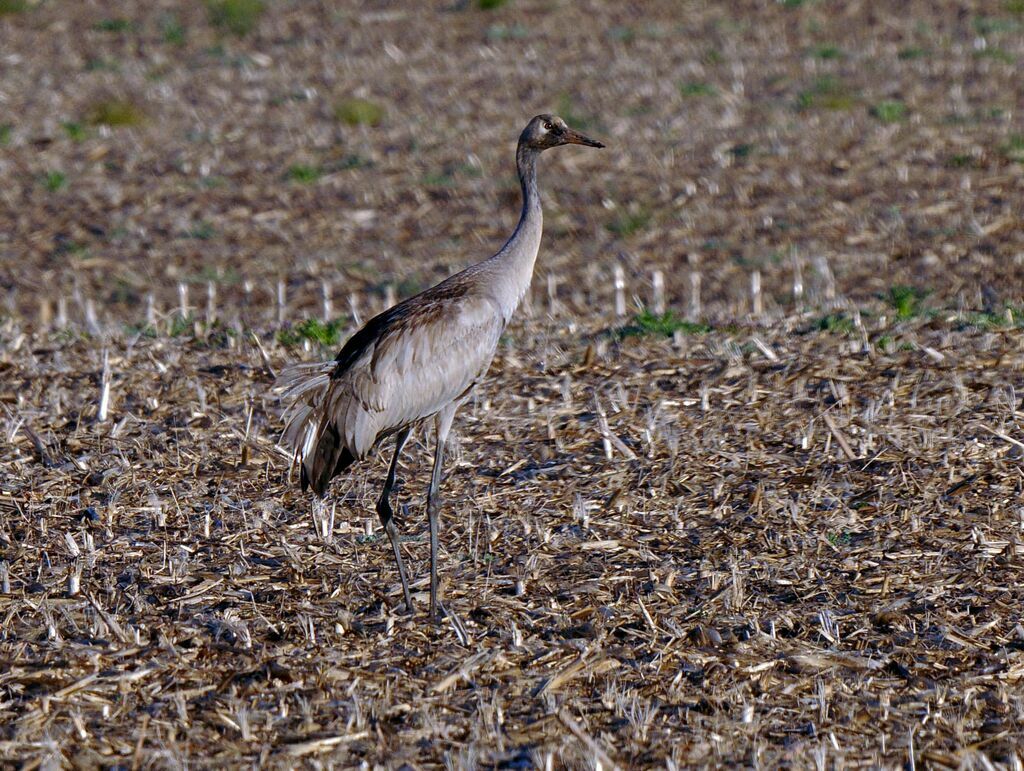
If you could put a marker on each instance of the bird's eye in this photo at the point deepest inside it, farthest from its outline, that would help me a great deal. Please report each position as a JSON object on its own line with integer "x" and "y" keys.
{"x": 547, "y": 126}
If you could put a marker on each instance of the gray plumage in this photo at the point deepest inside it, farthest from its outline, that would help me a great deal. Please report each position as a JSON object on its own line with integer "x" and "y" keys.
{"x": 417, "y": 360}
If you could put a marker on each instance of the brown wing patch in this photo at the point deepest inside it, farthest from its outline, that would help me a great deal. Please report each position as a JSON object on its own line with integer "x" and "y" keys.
{"x": 422, "y": 309}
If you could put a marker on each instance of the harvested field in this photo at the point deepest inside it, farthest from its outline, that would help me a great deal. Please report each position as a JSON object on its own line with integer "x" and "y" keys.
{"x": 778, "y": 522}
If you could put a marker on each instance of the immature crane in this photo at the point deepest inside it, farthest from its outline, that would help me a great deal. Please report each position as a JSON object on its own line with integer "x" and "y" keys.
{"x": 417, "y": 360}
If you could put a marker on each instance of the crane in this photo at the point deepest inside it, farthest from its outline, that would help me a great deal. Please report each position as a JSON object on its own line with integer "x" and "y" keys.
{"x": 417, "y": 360}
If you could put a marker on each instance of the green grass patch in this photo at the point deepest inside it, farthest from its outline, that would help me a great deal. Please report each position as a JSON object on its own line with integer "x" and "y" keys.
{"x": 304, "y": 174}
{"x": 827, "y": 93}
{"x": 323, "y": 333}
{"x": 837, "y": 323}
{"x": 6, "y": 130}
{"x": 114, "y": 113}
{"x": 73, "y": 248}
{"x": 237, "y": 17}
{"x": 470, "y": 170}
{"x": 827, "y": 52}
{"x": 10, "y": 7}
{"x": 141, "y": 329}
{"x": 889, "y": 111}
{"x": 507, "y": 32}
{"x": 994, "y": 25}
{"x": 182, "y": 325}
{"x": 912, "y": 52}
{"x": 1009, "y": 317}
{"x": 348, "y": 161}
{"x": 622, "y": 34}
{"x": 489, "y": 5}
{"x": 1015, "y": 6}
{"x": 117, "y": 25}
{"x": 1013, "y": 148}
{"x": 960, "y": 161}
{"x": 885, "y": 343}
{"x": 907, "y": 301}
{"x": 102, "y": 64}
{"x": 646, "y": 323}
{"x": 359, "y": 112}
{"x": 712, "y": 57}
{"x": 996, "y": 54}
{"x": 696, "y": 88}
{"x": 211, "y": 182}
{"x": 438, "y": 179}
{"x": 55, "y": 181}
{"x": 201, "y": 231}
{"x": 172, "y": 30}
{"x": 627, "y": 222}
{"x": 76, "y": 131}
{"x": 842, "y": 538}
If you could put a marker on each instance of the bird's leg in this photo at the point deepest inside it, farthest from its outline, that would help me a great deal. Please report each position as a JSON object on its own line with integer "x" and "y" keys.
{"x": 386, "y": 514}
{"x": 433, "y": 503}
{"x": 443, "y": 424}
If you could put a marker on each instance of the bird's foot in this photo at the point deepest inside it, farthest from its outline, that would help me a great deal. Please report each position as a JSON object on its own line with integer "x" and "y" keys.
{"x": 409, "y": 607}
{"x": 438, "y": 613}
{"x": 402, "y": 515}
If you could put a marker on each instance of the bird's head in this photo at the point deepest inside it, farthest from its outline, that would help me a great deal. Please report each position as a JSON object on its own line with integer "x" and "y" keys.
{"x": 546, "y": 131}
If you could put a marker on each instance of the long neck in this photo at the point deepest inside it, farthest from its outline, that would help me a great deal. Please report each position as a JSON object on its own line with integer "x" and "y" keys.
{"x": 513, "y": 264}
{"x": 526, "y": 166}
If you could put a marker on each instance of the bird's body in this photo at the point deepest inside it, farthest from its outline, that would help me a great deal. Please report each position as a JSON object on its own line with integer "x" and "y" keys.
{"x": 419, "y": 359}
{"x": 407, "y": 363}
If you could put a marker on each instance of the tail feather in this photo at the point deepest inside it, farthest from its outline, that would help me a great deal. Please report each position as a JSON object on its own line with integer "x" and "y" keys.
{"x": 312, "y": 438}
{"x": 325, "y": 458}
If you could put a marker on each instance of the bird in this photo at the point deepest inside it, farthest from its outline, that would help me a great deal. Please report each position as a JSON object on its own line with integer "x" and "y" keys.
{"x": 416, "y": 361}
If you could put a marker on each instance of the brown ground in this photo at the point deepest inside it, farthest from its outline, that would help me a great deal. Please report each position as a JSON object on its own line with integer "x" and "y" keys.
{"x": 799, "y": 540}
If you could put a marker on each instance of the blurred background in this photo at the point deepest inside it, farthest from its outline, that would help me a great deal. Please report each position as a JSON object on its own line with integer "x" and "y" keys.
{"x": 841, "y": 150}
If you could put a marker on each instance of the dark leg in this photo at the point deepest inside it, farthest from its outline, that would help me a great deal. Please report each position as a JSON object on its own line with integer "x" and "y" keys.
{"x": 443, "y": 423}
{"x": 386, "y": 515}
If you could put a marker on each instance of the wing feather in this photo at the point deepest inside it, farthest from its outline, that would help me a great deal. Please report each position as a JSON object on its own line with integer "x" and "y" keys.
{"x": 403, "y": 366}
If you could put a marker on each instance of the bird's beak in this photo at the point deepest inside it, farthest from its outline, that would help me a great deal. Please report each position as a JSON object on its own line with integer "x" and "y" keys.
{"x": 571, "y": 137}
